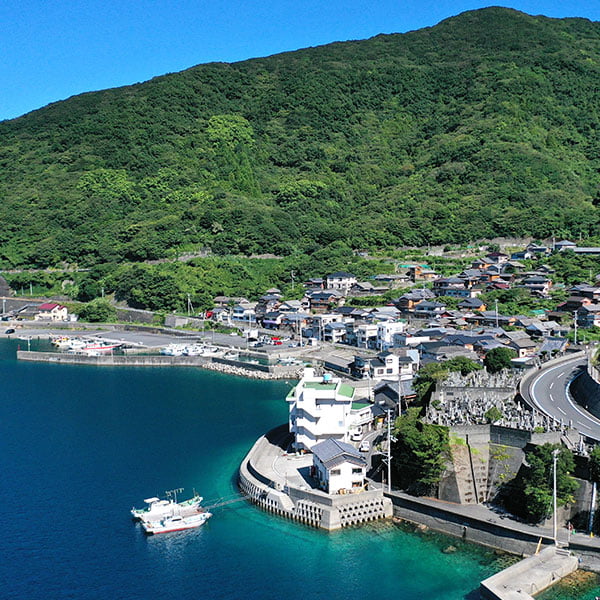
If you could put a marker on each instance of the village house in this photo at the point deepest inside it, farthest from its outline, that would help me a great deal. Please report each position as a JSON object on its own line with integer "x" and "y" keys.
{"x": 244, "y": 313}
{"x": 452, "y": 286}
{"x": 324, "y": 300}
{"x": 408, "y": 301}
{"x": 394, "y": 395}
{"x": 421, "y": 273}
{"x": 338, "y": 467}
{"x": 588, "y": 315}
{"x": 335, "y": 333}
{"x": 341, "y": 280}
{"x": 470, "y": 304}
{"x": 50, "y": 311}
{"x": 524, "y": 346}
{"x": 429, "y": 310}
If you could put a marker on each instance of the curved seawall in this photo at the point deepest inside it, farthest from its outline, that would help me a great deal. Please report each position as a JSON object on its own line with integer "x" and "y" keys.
{"x": 307, "y": 505}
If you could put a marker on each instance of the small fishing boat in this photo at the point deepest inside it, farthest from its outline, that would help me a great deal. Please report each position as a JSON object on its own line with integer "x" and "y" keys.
{"x": 175, "y": 523}
{"x": 173, "y": 350}
{"x": 157, "y": 509}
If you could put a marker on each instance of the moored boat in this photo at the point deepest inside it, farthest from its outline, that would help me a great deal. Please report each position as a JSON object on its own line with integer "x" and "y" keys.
{"x": 175, "y": 523}
{"x": 157, "y": 509}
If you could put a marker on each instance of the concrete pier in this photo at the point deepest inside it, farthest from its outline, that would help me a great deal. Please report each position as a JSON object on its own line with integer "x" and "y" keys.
{"x": 530, "y": 576}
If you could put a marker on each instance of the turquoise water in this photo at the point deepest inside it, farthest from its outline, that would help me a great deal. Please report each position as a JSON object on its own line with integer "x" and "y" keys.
{"x": 80, "y": 445}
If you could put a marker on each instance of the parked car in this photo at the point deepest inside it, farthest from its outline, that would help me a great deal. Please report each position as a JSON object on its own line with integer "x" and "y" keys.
{"x": 9, "y": 331}
{"x": 365, "y": 446}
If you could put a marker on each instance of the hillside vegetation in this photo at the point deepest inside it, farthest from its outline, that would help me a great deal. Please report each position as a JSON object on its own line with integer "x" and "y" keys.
{"x": 484, "y": 125}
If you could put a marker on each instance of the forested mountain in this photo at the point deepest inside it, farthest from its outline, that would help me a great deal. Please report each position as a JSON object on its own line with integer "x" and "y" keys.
{"x": 486, "y": 124}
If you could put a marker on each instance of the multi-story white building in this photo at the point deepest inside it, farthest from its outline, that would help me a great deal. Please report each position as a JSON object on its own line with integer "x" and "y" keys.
{"x": 386, "y": 331}
{"x": 366, "y": 335}
{"x": 319, "y": 408}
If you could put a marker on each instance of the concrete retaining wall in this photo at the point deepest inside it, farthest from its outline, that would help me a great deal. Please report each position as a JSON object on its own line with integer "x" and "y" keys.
{"x": 311, "y": 507}
{"x": 437, "y": 517}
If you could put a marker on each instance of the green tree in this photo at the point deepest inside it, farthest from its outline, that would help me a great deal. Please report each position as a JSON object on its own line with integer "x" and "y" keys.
{"x": 420, "y": 453}
{"x": 533, "y": 495}
{"x": 595, "y": 464}
{"x": 493, "y": 414}
{"x": 99, "y": 310}
{"x": 427, "y": 378}
{"x": 498, "y": 359}
{"x": 463, "y": 364}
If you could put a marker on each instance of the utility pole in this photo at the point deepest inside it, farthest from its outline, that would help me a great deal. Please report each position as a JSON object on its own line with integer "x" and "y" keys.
{"x": 496, "y": 303}
{"x": 575, "y": 327}
{"x": 292, "y": 273}
{"x": 554, "y": 502}
{"x": 389, "y": 451}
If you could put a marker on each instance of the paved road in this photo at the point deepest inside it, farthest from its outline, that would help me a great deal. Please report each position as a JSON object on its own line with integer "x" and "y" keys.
{"x": 549, "y": 393}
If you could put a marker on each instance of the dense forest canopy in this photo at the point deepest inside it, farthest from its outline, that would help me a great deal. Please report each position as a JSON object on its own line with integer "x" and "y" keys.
{"x": 484, "y": 125}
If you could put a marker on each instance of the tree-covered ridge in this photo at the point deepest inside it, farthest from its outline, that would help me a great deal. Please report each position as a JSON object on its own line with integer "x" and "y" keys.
{"x": 484, "y": 125}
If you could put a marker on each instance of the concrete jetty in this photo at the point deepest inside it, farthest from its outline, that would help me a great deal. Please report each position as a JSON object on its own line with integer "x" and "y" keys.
{"x": 529, "y": 576}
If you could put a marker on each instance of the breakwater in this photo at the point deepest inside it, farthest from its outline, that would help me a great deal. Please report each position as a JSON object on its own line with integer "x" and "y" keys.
{"x": 222, "y": 365}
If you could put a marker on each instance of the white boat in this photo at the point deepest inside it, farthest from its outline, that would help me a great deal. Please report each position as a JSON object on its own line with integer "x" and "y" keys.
{"x": 61, "y": 342}
{"x": 176, "y": 523}
{"x": 76, "y": 344}
{"x": 173, "y": 350}
{"x": 231, "y": 355}
{"x": 157, "y": 509}
{"x": 213, "y": 351}
{"x": 193, "y": 350}
{"x": 98, "y": 348}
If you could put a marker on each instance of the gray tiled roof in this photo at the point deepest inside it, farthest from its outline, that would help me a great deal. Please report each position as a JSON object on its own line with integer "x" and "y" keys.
{"x": 333, "y": 452}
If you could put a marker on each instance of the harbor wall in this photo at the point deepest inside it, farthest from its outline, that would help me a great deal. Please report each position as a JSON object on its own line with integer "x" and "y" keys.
{"x": 232, "y": 367}
{"x": 442, "y": 518}
{"x": 311, "y": 507}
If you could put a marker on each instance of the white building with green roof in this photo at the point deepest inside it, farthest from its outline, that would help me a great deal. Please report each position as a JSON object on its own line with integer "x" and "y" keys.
{"x": 319, "y": 409}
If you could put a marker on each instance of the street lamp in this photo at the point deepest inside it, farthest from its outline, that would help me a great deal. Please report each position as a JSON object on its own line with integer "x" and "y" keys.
{"x": 496, "y": 303}
{"x": 555, "y": 454}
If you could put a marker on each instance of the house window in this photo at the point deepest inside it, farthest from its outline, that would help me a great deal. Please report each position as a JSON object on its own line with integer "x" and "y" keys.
{"x": 335, "y": 472}
{"x": 357, "y": 471}
{"x": 357, "y": 484}
{"x": 389, "y": 370}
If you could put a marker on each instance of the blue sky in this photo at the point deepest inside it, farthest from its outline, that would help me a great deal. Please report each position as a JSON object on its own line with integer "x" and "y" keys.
{"x": 53, "y": 49}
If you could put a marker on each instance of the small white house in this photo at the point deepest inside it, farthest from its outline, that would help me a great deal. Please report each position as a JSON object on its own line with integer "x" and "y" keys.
{"x": 50, "y": 311}
{"x": 341, "y": 280}
{"x": 338, "y": 467}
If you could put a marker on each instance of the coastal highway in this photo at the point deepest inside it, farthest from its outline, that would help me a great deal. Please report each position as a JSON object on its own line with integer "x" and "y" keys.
{"x": 547, "y": 390}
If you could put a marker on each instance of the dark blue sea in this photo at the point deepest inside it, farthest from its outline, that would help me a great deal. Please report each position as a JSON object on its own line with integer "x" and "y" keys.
{"x": 79, "y": 446}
